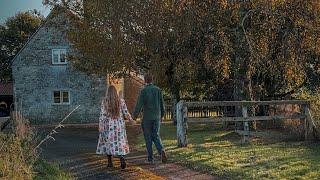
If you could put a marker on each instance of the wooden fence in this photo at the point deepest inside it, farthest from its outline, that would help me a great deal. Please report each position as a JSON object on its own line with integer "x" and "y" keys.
{"x": 194, "y": 112}
{"x": 183, "y": 116}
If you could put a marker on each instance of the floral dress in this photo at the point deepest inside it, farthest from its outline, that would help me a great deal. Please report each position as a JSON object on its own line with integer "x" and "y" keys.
{"x": 113, "y": 138}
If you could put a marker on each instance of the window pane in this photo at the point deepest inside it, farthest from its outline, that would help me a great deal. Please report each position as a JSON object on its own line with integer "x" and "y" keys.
{"x": 63, "y": 56}
{"x": 59, "y": 56}
{"x": 56, "y": 97}
{"x": 65, "y": 97}
{"x": 55, "y": 56}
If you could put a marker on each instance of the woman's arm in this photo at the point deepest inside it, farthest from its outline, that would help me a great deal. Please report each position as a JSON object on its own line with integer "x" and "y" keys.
{"x": 125, "y": 111}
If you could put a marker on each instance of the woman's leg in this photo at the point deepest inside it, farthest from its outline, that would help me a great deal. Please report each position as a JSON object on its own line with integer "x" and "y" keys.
{"x": 123, "y": 163}
{"x": 110, "y": 164}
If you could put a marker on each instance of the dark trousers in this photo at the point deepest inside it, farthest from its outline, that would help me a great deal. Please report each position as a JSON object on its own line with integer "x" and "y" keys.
{"x": 151, "y": 130}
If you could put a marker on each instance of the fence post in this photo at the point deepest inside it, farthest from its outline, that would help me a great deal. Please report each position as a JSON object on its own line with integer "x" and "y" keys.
{"x": 309, "y": 125}
{"x": 182, "y": 115}
{"x": 304, "y": 121}
{"x": 245, "y": 123}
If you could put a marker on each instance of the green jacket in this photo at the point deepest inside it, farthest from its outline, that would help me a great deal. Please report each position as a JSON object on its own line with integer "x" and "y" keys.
{"x": 150, "y": 100}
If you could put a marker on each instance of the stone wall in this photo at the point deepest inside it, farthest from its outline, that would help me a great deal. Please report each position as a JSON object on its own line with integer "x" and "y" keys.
{"x": 35, "y": 79}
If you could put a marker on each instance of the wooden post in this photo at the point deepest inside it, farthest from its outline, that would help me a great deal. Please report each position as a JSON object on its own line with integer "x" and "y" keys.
{"x": 182, "y": 115}
{"x": 304, "y": 122}
{"x": 245, "y": 123}
{"x": 310, "y": 127}
{"x": 224, "y": 123}
{"x": 174, "y": 106}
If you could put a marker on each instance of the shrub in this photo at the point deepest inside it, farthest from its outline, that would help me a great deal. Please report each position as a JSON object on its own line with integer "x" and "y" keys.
{"x": 18, "y": 156}
{"x": 314, "y": 98}
{"x": 16, "y": 153}
{"x": 15, "y": 158}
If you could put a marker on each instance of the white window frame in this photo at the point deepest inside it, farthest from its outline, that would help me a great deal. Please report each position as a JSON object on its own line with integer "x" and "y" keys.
{"x": 61, "y": 97}
{"x": 59, "y": 59}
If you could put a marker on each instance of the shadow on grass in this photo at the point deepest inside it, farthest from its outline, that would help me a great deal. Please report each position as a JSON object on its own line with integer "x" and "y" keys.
{"x": 274, "y": 155}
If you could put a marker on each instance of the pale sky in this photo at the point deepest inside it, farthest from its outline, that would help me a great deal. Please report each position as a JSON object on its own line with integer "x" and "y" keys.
{"x": 9, "y": 8}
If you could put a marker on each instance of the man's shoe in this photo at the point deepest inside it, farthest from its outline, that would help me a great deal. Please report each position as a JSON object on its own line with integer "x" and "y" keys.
{"x": 164, "y": 158}
{"x": 157, "y": 157}
{"x": 149, "y": 162}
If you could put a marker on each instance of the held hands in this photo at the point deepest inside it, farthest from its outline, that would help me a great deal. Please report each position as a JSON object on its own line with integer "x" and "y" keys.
{"x": 132, "y": 122}
{"x": 134, "y": 117}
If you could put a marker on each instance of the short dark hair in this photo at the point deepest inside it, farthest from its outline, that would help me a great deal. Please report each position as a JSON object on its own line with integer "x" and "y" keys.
{"x": 148, "y": 78}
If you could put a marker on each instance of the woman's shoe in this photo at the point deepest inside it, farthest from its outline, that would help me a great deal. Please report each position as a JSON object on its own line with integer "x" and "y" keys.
{"x": 123, "y": 163}
{"x": 110, "y": 164}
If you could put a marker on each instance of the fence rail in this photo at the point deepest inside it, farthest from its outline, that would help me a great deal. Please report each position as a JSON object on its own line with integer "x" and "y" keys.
{"x": 240, "y": 111}
{"x": 193, "y": 112}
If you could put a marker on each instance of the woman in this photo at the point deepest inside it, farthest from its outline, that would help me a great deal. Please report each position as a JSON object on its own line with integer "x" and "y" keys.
{"x": 112, "y": 131}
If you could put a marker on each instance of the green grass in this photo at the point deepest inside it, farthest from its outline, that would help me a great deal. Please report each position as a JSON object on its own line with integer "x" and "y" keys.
{"x": 49, "y": 171}
{"x": 221, "y": 153}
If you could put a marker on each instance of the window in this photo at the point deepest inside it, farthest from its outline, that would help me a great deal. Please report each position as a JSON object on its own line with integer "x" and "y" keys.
{"x": 61, "y": 97}
{"x": 59, "y": 56}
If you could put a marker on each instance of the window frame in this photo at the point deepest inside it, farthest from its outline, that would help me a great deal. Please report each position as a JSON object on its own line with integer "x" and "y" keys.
{"x": 59, "y": 56}
{"x": 61, "y": 97}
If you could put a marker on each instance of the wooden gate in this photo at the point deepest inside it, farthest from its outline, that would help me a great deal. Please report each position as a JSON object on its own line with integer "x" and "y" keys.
{"x": 183, "y": 117}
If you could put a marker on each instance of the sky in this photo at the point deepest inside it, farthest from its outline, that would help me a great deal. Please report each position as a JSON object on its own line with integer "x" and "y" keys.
{"x": 9, "y": 8}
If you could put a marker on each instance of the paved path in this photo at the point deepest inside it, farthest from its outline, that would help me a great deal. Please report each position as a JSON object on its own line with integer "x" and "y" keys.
{"x": 74, "y": 150}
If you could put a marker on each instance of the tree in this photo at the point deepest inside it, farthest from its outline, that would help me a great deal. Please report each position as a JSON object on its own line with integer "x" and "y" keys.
{"x": 280, "y": 41}
{"x": 117, "y": 37}
{"x": 13, "y": 34}
{"x": 262, "y": 49}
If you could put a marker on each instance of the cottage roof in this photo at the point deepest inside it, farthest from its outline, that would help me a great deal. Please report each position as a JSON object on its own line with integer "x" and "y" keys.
{"x": 52, "y": 13}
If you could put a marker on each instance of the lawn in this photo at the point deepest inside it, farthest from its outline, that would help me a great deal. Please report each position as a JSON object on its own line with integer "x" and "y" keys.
{"x": 222, "y": 153}
{"x": 45, "y": 170}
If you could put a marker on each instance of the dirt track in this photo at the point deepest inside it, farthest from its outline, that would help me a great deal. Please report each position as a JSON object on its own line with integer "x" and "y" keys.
{"x": 74, "y": 150}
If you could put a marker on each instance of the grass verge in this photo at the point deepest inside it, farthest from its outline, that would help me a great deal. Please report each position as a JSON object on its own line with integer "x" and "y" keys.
{"x": 221, "y": 153}
{"x": 45, "y": 170}
{"x": 19, "y": 161}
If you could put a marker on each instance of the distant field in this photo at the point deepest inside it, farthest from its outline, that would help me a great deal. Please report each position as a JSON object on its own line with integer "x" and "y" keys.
{"x": 222, "y": 153}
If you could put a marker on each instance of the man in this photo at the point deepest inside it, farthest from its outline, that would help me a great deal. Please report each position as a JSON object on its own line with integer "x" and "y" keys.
{"x": 151, "y": 102}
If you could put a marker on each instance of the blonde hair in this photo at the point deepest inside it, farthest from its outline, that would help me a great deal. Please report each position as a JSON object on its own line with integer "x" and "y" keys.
{"x": 112, "y": 102}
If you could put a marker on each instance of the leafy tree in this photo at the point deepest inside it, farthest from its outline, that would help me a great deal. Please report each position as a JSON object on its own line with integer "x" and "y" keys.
{"x": 13, "y": 34}
{"x": 279, "y": 40}
{"x": 164, "y": 37}
{"x": 259, "y": 49}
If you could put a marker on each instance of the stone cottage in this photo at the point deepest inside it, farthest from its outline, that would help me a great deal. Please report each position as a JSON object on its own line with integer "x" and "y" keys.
{"x": 46, "y": 87}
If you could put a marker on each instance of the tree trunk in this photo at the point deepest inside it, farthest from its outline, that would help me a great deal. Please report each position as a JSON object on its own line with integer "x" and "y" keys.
{"x": 175, "y": 92}
{"x": 238, "y": 88}
{"x": 250, "y": 97}
{"x": 175, "y": 96}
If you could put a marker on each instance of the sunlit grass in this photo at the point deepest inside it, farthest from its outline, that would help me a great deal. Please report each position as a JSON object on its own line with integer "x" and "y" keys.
{"x": 221, "y": 153}
{"x": 44, "y": 170}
